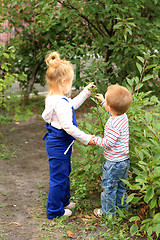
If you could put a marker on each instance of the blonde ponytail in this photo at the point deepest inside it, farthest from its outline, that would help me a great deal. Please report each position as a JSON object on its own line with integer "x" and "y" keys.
{"x": 52, "y": 60}
{"x": 58, "y": 70}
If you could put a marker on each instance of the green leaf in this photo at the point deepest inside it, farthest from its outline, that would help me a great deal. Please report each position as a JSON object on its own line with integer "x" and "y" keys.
{"x": 6, "y": 55}
{"x": 130, "y": 197}
{"x": 148, "y": 117}
{"x": 135, "y": 218}
{"x": 155, "y": 178}
{"x": 127, "y": 182}
{"x": 136, "y": 79}
{"x": 149, "y": 76}
{"x": 136, "y": 171}
{"x": 136, "y": 199}
{"x": 140, "y": 59}
{"x": 157, "y": 156}
{"x": 129, "y": 30}
{"x": 153, "y": 202}
{"x": 118, "y": 26}
{"x": 156, "y": 143}
{"x": 130, "y": 81}
{"x": 142, "y": 163}
{"x": 140, "y": 179}
{"x": 149, "y": 194}
{"x": 146, "y": 220}
{"x": 151, "y": 66}
{"x": 140, "y": 153}
{"x": 150, "y": 230}
{"x": 138, "y": 86}
{"x": 87, "y": 167}
{"x": 156, "y": 171}
{"x": 139, "y": 67}
{"x": 133, "y": 229}
{"x": 154, "y": 99}
{"x": 156, "y": 228}
{"x": 156, "y": 218}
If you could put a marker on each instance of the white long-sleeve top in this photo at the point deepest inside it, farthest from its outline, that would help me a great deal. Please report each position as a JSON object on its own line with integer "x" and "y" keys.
{"x": 116, "y": 139}
{"x": 58, "y": 112}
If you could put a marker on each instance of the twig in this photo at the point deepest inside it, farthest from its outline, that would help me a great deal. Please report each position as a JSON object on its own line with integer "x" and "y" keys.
{"x": 142, "y": 75}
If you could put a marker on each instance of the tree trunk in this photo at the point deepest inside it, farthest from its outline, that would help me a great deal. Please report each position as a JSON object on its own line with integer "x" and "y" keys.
{"x": 108, "y": 53}
{"x": 31, "y": 82}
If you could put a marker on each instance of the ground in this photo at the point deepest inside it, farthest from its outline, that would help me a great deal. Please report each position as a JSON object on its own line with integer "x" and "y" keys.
{"x": 21, "y": 176}
{"x": 24, "y": 185}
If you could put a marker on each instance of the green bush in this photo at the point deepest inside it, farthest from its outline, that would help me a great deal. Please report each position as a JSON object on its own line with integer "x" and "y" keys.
{"x": 144, "y": 177}
{"x": 7, "y": 78}
{"x": 144, "y": 181}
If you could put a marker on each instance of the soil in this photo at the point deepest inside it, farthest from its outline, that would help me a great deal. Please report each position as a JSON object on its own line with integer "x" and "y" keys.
{"x": 22, "y": 176}
{"x": 24, "y": 183}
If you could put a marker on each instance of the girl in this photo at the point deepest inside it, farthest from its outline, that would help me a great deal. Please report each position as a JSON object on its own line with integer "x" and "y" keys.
{"x": 62, "y": 130}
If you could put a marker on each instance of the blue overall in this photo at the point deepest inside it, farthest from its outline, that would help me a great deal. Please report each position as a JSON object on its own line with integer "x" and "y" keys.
{"x": 59, "y": 148}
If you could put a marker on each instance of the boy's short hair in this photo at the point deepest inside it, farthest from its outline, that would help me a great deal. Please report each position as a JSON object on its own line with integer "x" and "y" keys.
{"x": 119, "y": 98}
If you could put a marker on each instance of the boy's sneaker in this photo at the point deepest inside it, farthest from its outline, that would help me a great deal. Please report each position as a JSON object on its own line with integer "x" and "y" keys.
{"x": 70, "y": 206}
{"x": 67, "y": 212}
{"x": 98, "y": 212}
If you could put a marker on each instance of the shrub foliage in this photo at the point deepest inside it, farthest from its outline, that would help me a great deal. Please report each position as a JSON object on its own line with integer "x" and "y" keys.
{"x": 144, "y": 178}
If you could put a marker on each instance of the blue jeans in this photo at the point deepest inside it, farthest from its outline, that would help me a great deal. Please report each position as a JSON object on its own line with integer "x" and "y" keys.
{"x": 114, "y": 190}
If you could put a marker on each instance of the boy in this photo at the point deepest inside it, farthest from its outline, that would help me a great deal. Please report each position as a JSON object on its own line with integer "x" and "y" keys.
{"x": 116, "y": 148}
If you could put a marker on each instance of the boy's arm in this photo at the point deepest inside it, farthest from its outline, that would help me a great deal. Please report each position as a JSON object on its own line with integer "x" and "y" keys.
{"x": 102, "y": 100}
{"x": 100, "y": 97}
{"x": 91, "y": 142}
{"x": 109, "y": 140}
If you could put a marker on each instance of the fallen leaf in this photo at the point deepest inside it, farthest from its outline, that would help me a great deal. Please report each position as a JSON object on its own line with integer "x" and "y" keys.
{"x": 16, "y": 122}
{"x": 85, "y": 220}
{"x": 73, "y": 217}
{"x": 87, "y": 216}
{"x": 71, "y": 235}
{"x": 52, "y": 223}
{"x": 16, "y": 224}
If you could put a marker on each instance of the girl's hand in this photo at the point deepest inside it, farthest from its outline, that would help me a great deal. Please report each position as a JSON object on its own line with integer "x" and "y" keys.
{"x": 90, "y": 86}
{"x": 100, "y": 97}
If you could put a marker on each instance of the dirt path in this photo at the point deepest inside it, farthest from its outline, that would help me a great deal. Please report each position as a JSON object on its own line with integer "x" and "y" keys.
{"x": 22, "y": 178}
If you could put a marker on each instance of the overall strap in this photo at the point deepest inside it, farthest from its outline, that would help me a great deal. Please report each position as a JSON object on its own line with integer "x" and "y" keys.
{"x": 74, "y": 116}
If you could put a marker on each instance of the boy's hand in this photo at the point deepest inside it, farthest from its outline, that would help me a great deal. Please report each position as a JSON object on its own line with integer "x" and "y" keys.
{"x": 91, "y": 142}
{"x": 100, "y": 97}
{"x": 90, "y": 86}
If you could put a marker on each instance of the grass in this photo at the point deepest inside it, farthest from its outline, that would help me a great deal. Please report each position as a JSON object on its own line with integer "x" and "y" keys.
{"x": 15, "y": 109}
{"x": 6, "y": 153}
{"x": 83, "y": 224}
{"x": 86, "y": 226}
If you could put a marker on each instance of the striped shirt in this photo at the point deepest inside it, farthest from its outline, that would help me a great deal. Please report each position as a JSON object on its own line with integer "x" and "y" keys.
{"x": 58, "y": 113}
{"x": 116, "y": 139}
